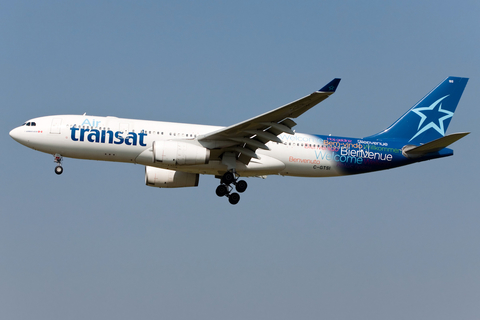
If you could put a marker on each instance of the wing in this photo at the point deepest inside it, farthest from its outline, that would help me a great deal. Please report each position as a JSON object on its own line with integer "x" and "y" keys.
{"x": 246, "y": 137}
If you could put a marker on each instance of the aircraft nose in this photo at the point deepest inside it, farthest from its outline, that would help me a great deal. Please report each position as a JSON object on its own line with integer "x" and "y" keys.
{"x": 15, "y": 134}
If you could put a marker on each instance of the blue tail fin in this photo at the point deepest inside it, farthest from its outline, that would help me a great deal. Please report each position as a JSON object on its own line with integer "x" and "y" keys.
{"x": 429, "y": 118}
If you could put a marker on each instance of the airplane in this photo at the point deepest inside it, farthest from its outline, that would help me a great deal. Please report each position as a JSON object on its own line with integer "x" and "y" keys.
{"x": 176, "y": 154}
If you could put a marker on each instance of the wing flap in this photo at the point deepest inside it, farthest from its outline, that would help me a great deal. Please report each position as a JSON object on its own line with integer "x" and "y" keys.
{"x": 278, "y": 127}
{"x": 265, "y": 135}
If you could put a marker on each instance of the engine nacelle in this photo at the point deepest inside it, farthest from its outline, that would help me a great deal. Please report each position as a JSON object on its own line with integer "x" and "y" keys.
{"x": 164, "y": 178}
{"x": 179, "y": 153}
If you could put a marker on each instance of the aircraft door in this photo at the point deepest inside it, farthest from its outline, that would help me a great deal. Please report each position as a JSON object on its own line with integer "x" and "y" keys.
{"x": 55, "y": 128}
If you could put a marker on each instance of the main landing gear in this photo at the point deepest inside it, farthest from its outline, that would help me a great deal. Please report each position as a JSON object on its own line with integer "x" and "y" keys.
{"x": 58, "y": 160}
{"x": 225, "y": 188}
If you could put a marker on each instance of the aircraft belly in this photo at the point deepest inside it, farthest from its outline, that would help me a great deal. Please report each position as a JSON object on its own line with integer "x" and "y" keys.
{"x": 101, "y": 152}
{"x": 311, "y": 168}
{"x": 306, "y": 162}
{"x": 264, "y": 166}
{"x": 257, "y": 167}
{"x": 84, "y": 150}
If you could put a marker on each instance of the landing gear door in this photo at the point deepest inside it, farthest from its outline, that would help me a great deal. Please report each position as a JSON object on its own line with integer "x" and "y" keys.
{"x": 55, "y": 128}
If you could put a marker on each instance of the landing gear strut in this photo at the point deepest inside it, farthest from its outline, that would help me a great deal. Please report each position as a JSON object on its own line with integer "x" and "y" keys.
{"x": 225, "y": 188}
{"x": 58, "y": 160}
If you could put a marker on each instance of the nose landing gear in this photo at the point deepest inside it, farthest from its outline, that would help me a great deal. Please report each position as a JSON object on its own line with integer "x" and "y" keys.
{"x": 225, "y": 188}
{"x": 58, "y": 160}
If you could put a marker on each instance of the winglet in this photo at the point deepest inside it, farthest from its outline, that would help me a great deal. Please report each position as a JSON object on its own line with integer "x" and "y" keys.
{"x": 331, "y": 86}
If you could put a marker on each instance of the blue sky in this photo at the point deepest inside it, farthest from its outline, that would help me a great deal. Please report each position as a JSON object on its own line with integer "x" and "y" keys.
{"x": 97, "y": 243}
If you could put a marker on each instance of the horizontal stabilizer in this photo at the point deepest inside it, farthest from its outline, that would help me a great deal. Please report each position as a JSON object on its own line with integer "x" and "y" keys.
{"x": 411, "y": 151}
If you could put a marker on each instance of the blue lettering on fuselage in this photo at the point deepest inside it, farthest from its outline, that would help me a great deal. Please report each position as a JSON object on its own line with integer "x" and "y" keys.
{"x": 107, "y": 136}
{"x": 92, "y": 123}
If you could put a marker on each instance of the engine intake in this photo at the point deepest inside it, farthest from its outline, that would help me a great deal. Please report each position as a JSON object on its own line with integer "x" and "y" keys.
{"x": 164, "y": 178}
{"x": 179, "y": 153}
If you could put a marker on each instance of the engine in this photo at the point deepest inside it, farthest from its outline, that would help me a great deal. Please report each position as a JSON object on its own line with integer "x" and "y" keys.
{"x": 164, "y": 178}
{"x": 179, "y": 153}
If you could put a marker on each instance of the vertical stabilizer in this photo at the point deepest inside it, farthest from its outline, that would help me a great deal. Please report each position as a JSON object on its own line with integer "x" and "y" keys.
{"x": 429, "y": 118}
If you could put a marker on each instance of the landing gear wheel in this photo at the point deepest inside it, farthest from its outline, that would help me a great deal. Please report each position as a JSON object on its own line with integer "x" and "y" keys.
{"x": 234, "y": 198}
{"x": 221, "y": 190}
{"x": 57, "y": 158}
{"x": 241, "y": 186}
{"x": 228, "y": 177}
{"x": 58, "y": 169}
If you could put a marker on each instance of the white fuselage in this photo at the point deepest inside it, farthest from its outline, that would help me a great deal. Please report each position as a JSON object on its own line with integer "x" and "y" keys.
{"x": 128, "y": 140}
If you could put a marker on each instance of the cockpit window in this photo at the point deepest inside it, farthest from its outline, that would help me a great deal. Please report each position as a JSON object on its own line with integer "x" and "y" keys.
{"x": 33, "y": 124}
{"x": 28, "y": 124}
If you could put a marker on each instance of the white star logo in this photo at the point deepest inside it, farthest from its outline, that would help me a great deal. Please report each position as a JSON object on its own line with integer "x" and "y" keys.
{"x": 433, "y": 114}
